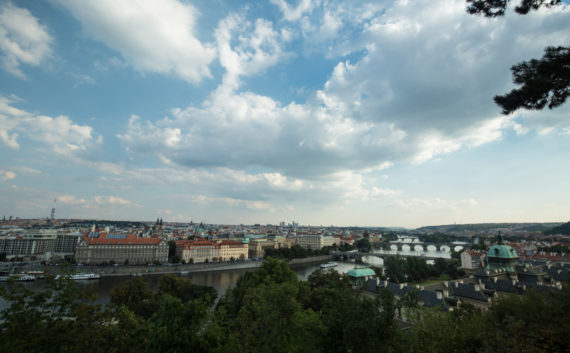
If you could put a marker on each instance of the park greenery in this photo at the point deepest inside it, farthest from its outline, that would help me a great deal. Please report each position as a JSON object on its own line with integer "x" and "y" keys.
{"x": 561, "y": 229}
{"x": 271, "y": 310}
{"x": 295, "y": 252}
{"x": 414, "y": 269}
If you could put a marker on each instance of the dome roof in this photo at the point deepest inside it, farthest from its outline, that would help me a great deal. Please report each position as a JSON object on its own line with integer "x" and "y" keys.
{"x": 361, "y": 272}
{"x": 502, "y": 251}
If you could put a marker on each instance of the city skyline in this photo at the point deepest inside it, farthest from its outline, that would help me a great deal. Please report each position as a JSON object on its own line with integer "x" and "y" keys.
{"x": 369, "y": 113}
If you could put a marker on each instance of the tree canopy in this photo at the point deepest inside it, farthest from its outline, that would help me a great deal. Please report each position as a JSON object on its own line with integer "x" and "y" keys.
{"x": 271, "y": 310}
{"x": 544, "y": 82}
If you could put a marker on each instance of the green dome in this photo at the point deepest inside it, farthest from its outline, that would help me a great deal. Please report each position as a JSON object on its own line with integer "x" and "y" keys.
{"x": 501, "y": 251}
{"x": 361, "y": 272}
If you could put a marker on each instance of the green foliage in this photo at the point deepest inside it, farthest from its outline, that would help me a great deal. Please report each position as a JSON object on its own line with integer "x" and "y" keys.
{"x": 271, "y": 310}
{"x": 58, "y": 318}
{"x": 437, "y": 237}
{"x": 413, "y": 269}
{"x": 495, "y": 8}
{"x": 295, "y": 252}
{"x": 390, "y": 236}
{"x": 135, "y": 295}
{"x": 363, "y": 243}
{"x": 185, "y": 290}
{"x": 544, "y": 81}
{"x": 561, "y": 229}
{"x": 533, "y": 323}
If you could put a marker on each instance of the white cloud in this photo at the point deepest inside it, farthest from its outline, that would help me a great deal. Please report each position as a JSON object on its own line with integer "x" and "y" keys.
{"x": 23, "y": 40}
{"x": 96, "y": 201}
{"x": 152, "y": 36}
{"x": 60, "y": 133}
{"x": 295, "y": 13}
{"x": 6, "y": 175}
{"x": 430, "y": 204}
{"x": 258, "y": 47}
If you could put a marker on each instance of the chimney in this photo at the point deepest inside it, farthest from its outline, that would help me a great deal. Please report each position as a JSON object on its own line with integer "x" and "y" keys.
{"x": 495, "y": 279}
{"x": 402, "y": 285}
{"x": 456, "y": 284}
{"x": 477, "y": 288}
{"x": 439, "y": 295}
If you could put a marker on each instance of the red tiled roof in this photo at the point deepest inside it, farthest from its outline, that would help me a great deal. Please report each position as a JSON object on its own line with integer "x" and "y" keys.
{"x": 130, "y": 239}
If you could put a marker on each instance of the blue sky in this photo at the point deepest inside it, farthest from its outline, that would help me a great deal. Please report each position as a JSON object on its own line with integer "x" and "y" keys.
{"x": 370, "y": 113}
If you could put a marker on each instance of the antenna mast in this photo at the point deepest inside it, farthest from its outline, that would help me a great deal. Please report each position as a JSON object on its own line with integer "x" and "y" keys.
{"x": 53, "y": 209}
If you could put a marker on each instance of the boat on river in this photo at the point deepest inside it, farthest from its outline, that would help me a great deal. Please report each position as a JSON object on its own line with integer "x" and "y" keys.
{"x": 80, "y": 276}
{"x": 18, "y": 277}
{"x": 329, "y": 265}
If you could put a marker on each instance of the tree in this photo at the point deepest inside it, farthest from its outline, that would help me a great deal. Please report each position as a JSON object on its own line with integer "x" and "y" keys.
{"x": 59, "y": 317}
{"x": 544, "y": 81}
{"x": 363, "y": 243}
{"x": 135, "y": 296}
{"x": 494, "y": 8}
{"x": 183, "y": 289}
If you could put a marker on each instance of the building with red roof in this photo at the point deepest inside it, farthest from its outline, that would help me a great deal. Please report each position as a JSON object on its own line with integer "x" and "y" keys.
{"x": 97, "y": 247}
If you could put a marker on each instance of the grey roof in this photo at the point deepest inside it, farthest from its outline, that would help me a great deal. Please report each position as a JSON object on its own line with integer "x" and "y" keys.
{"x": 430, "y": 300}
{"x": 466, "y": 291}
{"x": 559, "y": 273}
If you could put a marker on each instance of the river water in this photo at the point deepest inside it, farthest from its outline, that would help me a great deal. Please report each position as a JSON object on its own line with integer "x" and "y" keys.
{"x": 220, "y": 280}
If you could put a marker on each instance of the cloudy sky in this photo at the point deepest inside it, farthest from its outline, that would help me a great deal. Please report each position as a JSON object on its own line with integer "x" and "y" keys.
{"x": 371, "y": 113}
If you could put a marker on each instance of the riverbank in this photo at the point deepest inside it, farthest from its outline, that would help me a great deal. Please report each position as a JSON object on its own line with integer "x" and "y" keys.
{"x": 144, "y": 270}
{"x": 310, "y": 260}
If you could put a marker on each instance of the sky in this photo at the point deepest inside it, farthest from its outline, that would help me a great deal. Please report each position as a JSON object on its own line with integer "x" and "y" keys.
{"x": 323, "y": 112}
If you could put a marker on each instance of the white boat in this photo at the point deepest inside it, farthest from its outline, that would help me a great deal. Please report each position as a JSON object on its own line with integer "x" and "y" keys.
{"x": 18, "y": 277}
{"x": 80, "y": 276}
{"x": 329, "y": 265}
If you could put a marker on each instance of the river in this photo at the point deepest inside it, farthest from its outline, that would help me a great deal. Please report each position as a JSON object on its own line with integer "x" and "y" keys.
{"x": 220, "y": 280}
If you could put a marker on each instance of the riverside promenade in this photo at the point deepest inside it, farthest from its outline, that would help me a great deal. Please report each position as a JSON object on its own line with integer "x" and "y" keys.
{"x": 138, "y": 270}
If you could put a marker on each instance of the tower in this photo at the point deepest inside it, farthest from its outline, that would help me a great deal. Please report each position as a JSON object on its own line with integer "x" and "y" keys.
{"x": 53, "y": 209}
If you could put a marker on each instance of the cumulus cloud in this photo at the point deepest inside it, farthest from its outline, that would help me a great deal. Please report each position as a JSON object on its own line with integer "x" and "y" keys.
{"x": 96, "y": 201}
{"x": 422, "y": 89}
{"x": 152, "y": 36}
{"x": 294, "y": 13}
{"x": 23, "y": 40}
{"x": 6, "y": 175}
{"x": 431, "y": 204}
{"x": 258, "y": 47}
{"x": 60, "y": 133}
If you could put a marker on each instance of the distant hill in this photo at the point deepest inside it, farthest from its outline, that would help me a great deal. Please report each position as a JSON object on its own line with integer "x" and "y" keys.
{"x": 561, "y": 229}
{"x": 103, "y": 223}
{"x": 489, "y": 227}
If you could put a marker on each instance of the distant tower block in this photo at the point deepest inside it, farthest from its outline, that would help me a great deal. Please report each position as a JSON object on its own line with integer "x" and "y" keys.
{"x": 53, "y": 209}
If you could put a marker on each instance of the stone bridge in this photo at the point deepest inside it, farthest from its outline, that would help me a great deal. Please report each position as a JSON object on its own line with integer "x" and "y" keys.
{"x": 424, "y": 247}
